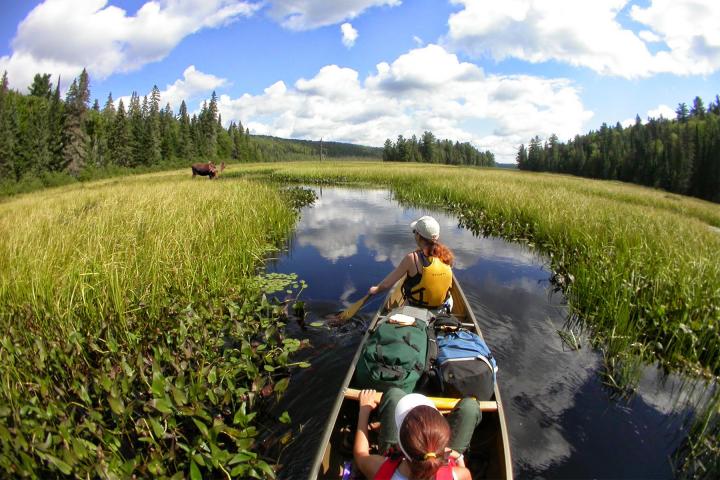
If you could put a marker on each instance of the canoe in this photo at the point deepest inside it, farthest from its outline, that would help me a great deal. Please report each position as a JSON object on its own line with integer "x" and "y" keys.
{"x": 489, "y": 452}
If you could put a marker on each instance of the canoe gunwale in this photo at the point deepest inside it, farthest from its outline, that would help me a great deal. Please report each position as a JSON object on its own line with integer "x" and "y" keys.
{"x": 392, "y": 295}
{"x": 332, "y": 418}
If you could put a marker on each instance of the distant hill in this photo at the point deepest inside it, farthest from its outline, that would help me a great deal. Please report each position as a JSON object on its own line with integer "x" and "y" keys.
{"x": 511, "y": 166}
{"x": 280, "y": 148}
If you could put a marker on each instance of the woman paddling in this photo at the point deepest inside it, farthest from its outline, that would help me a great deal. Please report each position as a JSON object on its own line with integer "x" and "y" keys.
{"x": 428, "y": 443}
{"x": 428, "y": 269}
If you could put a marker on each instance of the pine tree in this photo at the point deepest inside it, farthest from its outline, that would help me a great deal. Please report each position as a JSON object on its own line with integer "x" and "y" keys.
{"x": 521, "y": 158}
{"x": 32, "y": 154}
{"x": 168, "y": 136}
{"x": 698, "y": 108}
{"x": 152, "y": 142}
{"x": 74, "y": 136}
{"x": 120, "y": 139}
{"x": 185, "y": 146}
{"x": 682, "y": 112}
{"x": 137, "y": 131}
{"x": 56, "y": 115}
{"x": 108, "y": 110}
{"x": 41, "y": 86}
{"x": 427, "y": 147}
{"x": 8, "y": 130}
{"x": 208, "y": 127}
{"x": 224, "y": 142}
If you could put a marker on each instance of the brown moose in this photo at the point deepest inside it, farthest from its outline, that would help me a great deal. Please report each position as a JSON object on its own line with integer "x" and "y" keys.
{"x": 206, "y": 169}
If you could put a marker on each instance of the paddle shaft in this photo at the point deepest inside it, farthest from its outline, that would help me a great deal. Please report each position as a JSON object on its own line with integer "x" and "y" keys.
{"x": 353, "y": 309}
{"x": 441, "y": 403}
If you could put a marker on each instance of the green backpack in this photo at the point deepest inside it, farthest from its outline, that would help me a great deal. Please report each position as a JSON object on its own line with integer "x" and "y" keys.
{"x": 394, "y": 355}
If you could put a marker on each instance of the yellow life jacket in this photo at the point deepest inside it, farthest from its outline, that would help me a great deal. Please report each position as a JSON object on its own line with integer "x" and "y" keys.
{"x": 431, "y": 286}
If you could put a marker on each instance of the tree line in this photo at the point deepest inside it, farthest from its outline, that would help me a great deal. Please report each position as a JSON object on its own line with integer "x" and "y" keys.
{"x": 680, "y": 155}
{"x": 278, "y": 149}
{"x": 430, "y": 149}
{"x": 47, "y": 140}
{"x": 50, "y": 139}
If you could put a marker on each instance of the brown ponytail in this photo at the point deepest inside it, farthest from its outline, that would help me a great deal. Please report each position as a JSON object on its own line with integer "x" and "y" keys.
{"x": 424, "y": 434}
{"x": 437, "y": 249}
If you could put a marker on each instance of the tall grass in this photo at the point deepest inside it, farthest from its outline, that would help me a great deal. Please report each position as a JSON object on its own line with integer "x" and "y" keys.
{"x": 136, "y": 340}
{"x": 117, "y": 249}
{"x": 640, "y": 265}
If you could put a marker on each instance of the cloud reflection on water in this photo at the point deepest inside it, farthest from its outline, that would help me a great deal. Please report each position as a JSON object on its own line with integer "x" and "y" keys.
{"x": 563, "y": 422}
{"x": 342, "y": 219}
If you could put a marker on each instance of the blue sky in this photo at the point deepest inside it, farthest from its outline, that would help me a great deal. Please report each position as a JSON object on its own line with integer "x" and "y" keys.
{"x": 489, "y": 72}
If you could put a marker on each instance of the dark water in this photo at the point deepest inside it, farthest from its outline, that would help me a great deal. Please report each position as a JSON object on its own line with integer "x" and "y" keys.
{"x": 563, "y": 422}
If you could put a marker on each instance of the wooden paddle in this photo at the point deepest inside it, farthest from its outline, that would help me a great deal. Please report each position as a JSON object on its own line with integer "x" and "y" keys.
{"x": 353, "y": 309}
{"x": 441, "y": 403}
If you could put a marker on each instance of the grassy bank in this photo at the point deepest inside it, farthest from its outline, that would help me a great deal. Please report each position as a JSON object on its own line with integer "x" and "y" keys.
{"x": 639, "y": 265}
{"x": 136, "y": 338}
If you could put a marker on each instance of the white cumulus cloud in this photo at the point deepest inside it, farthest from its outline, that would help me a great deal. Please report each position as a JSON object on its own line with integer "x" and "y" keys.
{"x": 64, "y": 36}
{"x": 590, "y": 34}
{"x": 425, "y": 89}
{"x": 349, "y": 34}
{"x": 690, "y": 30}
{"x": 194, "y": 84}
{"x": 309, "y": 14}
{"x": 662, "y": 111}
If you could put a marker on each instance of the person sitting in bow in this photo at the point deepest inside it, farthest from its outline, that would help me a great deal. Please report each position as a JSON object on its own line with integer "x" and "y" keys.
{"x": 427, "y": 270}
{"x": 430, "y": 445}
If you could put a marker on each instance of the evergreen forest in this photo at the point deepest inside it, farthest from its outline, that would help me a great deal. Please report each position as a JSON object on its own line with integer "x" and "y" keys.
{"x": 429, "y": 149}
{"x": 46, "y": 140}
{"x": 680, "y": 155}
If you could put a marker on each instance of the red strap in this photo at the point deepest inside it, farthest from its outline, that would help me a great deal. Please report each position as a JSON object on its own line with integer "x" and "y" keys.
{"x": 444, "y": 473}
{"x": 387, "y": 468}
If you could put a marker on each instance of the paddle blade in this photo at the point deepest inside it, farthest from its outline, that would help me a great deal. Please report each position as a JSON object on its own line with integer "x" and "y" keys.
{"x": 352, "y": 309}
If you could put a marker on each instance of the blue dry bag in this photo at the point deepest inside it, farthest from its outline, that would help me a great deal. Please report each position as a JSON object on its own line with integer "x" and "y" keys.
{"x": 464, "y": 365}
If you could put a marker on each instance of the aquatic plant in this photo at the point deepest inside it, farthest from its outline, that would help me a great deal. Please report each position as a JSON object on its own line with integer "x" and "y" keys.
{"x": 639, "y": 266}
{"x": 137, "y": 338}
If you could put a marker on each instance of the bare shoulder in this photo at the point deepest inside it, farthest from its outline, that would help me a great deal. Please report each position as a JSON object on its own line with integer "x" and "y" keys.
{"x": 370, "y": 464}
{"x": 409, "y": 258}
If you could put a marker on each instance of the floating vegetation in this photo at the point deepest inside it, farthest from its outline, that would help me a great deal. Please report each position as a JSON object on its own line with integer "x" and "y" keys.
{"x": 635, "y": 265}
{"x": 640, "y": 268}
{"x": 137, "y": 338}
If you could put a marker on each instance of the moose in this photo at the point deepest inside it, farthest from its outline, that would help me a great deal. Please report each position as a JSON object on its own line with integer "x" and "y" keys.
{"x": 206, "y": 169}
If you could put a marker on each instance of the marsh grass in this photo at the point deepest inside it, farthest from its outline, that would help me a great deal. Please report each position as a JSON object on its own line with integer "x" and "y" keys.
{"x": 137, "y": 337}
{"x": 118, "y": 249}
{"x": 638, "y": 265}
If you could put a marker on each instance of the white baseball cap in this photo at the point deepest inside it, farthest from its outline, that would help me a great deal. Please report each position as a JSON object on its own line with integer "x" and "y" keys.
{"x": 427, "y": 227}
{"x": 407, "y": 403}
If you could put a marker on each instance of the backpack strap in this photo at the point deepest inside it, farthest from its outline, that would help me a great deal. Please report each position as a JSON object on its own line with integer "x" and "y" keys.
{"x": 387, "y": 469}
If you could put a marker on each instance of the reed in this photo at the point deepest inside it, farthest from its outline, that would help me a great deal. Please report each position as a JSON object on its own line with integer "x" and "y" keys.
{"x": 639, "y": 265}
{"x": 137, "y": 339}
{"x": 119, "y": 248}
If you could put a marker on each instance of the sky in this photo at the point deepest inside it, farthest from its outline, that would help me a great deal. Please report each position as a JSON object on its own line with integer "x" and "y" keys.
{"x": 493, "y": 73}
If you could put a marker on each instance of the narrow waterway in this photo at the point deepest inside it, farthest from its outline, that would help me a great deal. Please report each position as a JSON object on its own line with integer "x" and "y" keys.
{"x": 563, "y": 422}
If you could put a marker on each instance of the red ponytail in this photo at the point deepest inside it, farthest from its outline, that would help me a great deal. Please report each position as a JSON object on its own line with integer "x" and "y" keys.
{"x": 442, "y": 252}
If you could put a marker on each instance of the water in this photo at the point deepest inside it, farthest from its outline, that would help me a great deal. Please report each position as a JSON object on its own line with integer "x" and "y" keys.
{"x": 563, "y": 422}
